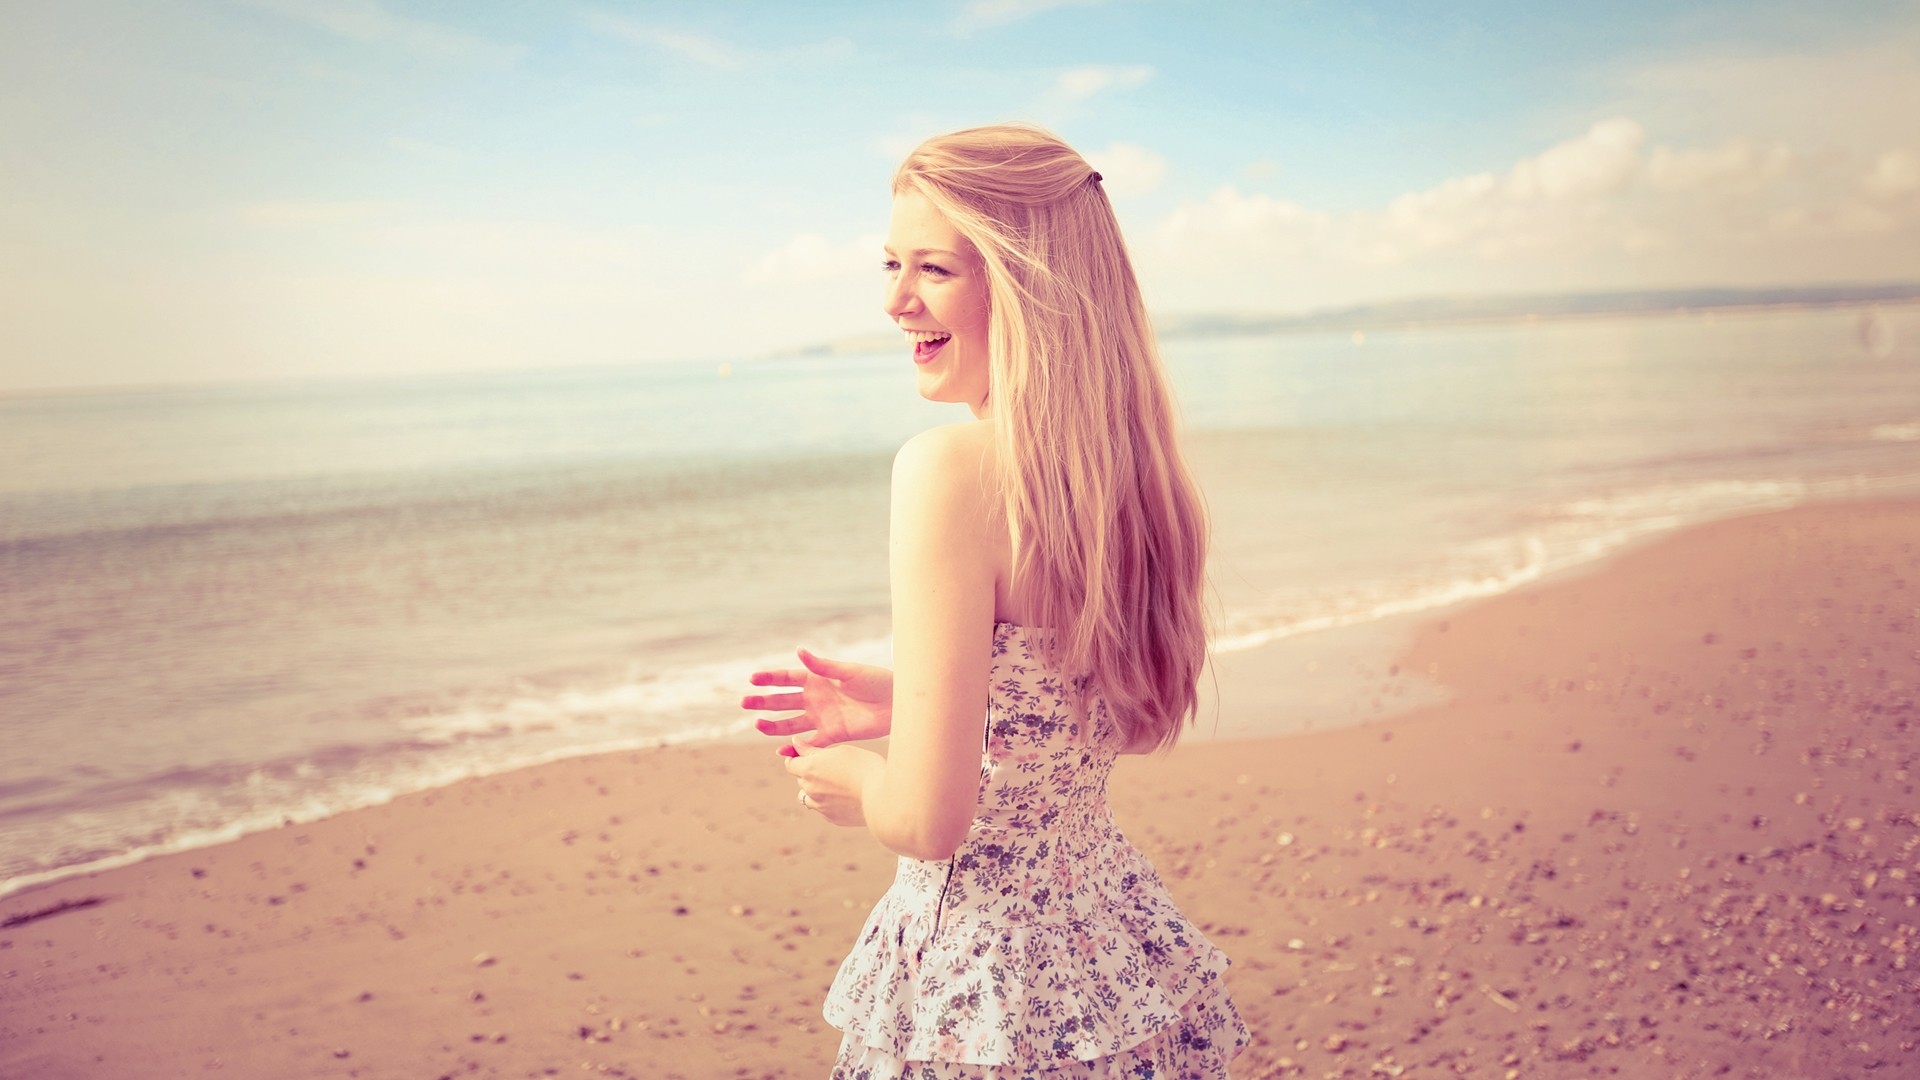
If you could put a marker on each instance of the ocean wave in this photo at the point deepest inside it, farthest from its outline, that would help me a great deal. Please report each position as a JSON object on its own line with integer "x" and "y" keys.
{"x": 1559, "y": 536}
{"x": 85, "y": 840}
{"x": 436, "y": 744}
{"x": 1368, "y": 606}
{"x": 112, "y": 823}
{"x": 667, "y": 701}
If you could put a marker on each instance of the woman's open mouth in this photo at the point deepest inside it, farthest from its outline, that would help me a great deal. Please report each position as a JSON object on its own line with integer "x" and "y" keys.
{"x": 927, "y": 343}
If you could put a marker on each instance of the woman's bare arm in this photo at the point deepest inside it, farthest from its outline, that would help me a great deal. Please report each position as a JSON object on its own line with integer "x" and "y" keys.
{"x": 919, "y": 799}
{"x": 943, "y": 565}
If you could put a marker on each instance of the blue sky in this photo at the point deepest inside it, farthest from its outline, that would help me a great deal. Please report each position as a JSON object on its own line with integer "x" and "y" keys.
{"x": 290, "y": 188}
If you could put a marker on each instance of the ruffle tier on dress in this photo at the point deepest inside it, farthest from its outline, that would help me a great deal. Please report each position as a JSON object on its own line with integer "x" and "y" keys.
{"x": 1047, "y": 942}
{"x": 1194, "y": 1049}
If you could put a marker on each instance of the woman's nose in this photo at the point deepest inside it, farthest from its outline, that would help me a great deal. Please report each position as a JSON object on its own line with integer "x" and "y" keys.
{"x": 899, "y": 299}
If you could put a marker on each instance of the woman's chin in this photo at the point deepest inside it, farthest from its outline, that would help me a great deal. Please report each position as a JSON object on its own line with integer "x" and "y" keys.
{"x": 940, "y": 386}
{"x": 933, "y": 387}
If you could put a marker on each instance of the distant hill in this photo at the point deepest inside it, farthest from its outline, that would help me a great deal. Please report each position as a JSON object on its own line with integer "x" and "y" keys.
{"x": 1456, "y": 309}
{"x": 1442, "y": 310}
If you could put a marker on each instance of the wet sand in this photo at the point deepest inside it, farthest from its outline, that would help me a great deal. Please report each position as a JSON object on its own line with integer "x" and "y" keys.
{"x": 1666, "y": 826}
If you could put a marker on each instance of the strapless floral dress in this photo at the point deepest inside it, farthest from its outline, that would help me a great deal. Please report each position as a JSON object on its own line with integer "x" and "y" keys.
{"x": 1046, "y": 947}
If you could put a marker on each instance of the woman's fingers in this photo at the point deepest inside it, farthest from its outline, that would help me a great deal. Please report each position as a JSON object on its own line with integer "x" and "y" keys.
{"x": 774, "y": 702}
{"x": 792, "y": 725}
{"x": 825, "y": 668}
{"x": 800, "y": 727}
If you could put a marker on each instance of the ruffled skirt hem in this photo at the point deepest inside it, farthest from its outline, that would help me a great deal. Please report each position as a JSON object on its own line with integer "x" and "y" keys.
{"x": 1208, "y": 1035}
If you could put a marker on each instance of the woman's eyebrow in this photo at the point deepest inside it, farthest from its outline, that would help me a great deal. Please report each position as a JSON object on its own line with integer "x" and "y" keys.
{"x": 918, "y": 252}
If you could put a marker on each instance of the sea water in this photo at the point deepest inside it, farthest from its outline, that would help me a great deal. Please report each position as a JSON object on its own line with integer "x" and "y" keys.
{"x": 225, "y": 607}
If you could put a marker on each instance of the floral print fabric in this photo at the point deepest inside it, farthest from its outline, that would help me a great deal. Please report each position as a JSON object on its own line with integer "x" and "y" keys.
{"x": 1193, "y": 1050}
{"x": 1047, "y": 940}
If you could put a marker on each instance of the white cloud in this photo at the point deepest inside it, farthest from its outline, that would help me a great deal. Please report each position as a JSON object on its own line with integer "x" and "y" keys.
{"x": 810, "y": 257}
{"x": 979, "y": 14}
{"x": 1596, "y": 164}
{"x": 711, "y": 51}
{"x": 1602, "y": 209}
{"x": 1542, "y": 203}
{"x": 1741, "y": 164}
{"x": 1075, "y": 85}
{"x": 1128, "y": 169}
{"x": 696, "y": 47}
{"x": 1234, "y": 226}
{"x": 1895, "y": 175}
{"x": 369, "y": 22}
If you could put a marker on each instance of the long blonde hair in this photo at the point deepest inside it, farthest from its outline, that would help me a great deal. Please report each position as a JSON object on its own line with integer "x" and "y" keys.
{"x": 1109, "y": 533}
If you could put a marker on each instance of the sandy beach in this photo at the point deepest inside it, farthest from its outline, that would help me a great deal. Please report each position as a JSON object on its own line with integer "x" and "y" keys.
{"x": 1665, "y": 826}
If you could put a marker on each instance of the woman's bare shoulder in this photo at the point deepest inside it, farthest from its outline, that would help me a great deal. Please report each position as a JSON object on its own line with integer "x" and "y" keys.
{"x": 957, "y": 459}
{"x": 944, "y": 479}
{"x": 946, "y": 491}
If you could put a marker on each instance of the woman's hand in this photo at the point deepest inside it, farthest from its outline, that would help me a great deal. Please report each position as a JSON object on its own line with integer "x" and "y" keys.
{"x": 838, "y": 701}
{"x": 833, "y": 780}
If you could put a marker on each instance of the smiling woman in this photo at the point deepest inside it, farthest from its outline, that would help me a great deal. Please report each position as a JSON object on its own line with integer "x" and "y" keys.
{"x": 1046, "y": 566}
{"x": 937, "y": 293}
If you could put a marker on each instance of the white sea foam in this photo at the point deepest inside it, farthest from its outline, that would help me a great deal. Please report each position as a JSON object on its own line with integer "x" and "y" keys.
{"x": 698, "y": 704}
{"x": 653, "y": 705}
{"x": 1358, "y": 608}
{"x": 1566, "y": 535}
{"x": 276, "y": 803}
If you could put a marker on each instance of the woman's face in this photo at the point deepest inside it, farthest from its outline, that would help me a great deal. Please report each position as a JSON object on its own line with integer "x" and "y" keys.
{"x": 937, "y": 293}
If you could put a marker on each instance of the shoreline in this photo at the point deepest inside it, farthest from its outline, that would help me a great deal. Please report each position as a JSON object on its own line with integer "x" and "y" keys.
{"x": 1335, "y": 661}
{"x": 1652, "y": 828}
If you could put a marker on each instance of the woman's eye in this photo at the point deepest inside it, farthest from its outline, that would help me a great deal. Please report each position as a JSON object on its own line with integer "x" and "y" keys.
{"x": 890, "y": 265}
{"x": 930, "y": 268}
